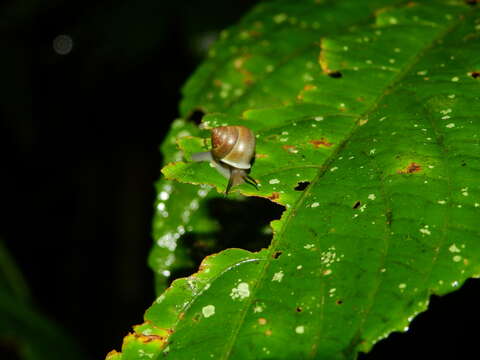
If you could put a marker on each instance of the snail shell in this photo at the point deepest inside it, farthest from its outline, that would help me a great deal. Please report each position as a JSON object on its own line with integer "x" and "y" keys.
{"x": 233, "y": 148}
{"x": 233, "y": 145}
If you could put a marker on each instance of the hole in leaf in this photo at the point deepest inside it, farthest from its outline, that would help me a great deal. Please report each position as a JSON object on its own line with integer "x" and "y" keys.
{"x": 302, "y": 185}
{"x": 239, "y": 223}
{"x": 299, "y": 309}
{"x": 339, "y": 302}
{"x": 196, "y": 116}
{"x": 475, "y": 74}
{"x": 471, "y": 2}
{"x": 277, "y": 254}
{"x": 335, "y": 74}
{"x": 357, "y": 205}
{"x": 464, "y": 163}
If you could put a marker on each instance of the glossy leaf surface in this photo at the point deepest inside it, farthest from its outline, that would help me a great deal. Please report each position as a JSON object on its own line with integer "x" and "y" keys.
{"x": 374, "y": 106}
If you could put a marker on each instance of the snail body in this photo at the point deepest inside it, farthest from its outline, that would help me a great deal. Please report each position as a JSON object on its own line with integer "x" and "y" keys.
{"x": 233, "y": 148}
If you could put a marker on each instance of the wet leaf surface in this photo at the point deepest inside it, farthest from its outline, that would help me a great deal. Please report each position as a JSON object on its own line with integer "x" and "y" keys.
{"x": 367, "y": 129}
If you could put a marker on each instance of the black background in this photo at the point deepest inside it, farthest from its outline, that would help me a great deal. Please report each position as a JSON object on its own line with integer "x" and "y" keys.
{"x": 79, "y": 139}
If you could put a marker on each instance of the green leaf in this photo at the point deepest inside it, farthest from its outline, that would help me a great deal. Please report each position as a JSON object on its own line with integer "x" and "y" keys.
{"x": 376, "y": 107}
{"x": 179, "y": 210}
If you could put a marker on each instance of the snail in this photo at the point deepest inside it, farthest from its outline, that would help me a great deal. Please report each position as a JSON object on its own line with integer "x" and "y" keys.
{"x": 233, "y": 148}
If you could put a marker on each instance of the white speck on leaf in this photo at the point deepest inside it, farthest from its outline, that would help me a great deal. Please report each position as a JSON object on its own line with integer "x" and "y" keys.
{"x": 315, "y": 204}
{"x": 274, "y": 181}
{"x": 278, "y": 276}
{"x": 208, "y": 310}
{"x": 372, "y": 197}
{"x": 164, "y": 195}
{"x": 451, "y": 125}
{"x": 425, "y": 230}
{"x": 453, "y": 248}
{"x": 242, "y": 291}
{"x": 300, "y": 329}
{"x": 331, "y": 292}
{"x": 329, "y": 256}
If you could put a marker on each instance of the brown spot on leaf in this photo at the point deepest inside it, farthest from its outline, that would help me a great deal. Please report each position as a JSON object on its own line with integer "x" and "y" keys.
{"x": 322, "y": 142}
{"x": 274, "y": 196}
{"x": 217, "y": 83}
{"x": 239, "y": 64}
{"x": 261, "y": 156}
{"x": 360, "y": 99}
{"x": 262, "y": 321}
{"x": 321, "y": 58}
{"x": 149, "y": 338}
{"x": 290, "y": 148}
{"x": 410, "y": 168}
{"x": 268, "y": 332}
{"x": 308, "y": 87}
{"x": 362, "y": 122}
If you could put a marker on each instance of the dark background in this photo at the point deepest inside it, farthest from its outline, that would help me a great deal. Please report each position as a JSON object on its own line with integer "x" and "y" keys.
{"x": 79, "y": 137}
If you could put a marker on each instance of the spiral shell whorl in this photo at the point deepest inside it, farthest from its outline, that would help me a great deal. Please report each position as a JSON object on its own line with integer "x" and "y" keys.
{"x": 233, "y": 145}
